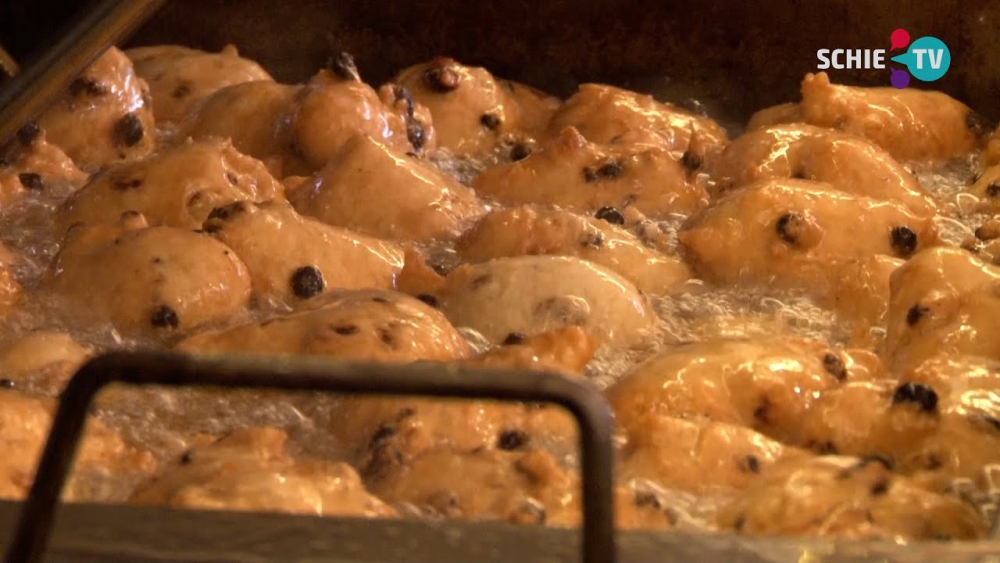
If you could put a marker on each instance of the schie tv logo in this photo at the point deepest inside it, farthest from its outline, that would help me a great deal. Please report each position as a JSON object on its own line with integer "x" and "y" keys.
{"x": 927, "y": 59}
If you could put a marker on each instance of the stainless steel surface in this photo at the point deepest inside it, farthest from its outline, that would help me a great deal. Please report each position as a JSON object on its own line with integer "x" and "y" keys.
{"x": 87, "y": 533}
{"x": 41, "y": 82}
{"x": 592, "y": 413}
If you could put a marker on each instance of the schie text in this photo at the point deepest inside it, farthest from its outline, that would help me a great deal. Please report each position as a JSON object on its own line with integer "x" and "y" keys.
{"x": 851, "y": 58}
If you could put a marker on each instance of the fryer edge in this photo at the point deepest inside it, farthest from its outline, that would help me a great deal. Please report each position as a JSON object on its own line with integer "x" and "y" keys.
{"x": 94, "y": 533}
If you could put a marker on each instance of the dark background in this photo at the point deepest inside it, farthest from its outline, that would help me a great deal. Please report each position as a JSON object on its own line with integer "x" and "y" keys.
{"x": 735, "y": 56}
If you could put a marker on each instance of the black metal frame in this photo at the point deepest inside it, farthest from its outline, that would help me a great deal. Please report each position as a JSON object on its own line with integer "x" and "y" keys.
{"x": 312, "y": 374}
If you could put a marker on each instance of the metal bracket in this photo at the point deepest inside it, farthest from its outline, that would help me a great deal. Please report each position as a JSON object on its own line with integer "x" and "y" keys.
{"x": 313, "y": 374}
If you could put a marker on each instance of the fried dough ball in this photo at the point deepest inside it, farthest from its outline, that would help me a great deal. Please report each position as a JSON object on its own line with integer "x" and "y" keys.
{"x": 368, "y": 324}
{"x": 517, "y": 487}
{"x": 251, "y": 115}
{"x": 374, "y": 189}
{"x": 987, "y": 188}
{"x": 176, "y": 187}
{"x": 536, "y": 230}
{"x": 797, "y": 234}
{"x": 603, "y": 113}
{"x": 943, "y": 301}
{"x": 384, "y": 432}
{"x": 532, "y": 294}
{"x": 848, "y": 498}
{"x": 938, "y": 421}
{"x": 698, "y": 457}
{"x": 863, "y": 418}
{"x": 966, "y": 441}
{"x": 105, "y": 117}
{"x": 765, "y": 383}
{"x": 179, "y": 76}
{"x": 37, "y": 167}
{"x": 909, "y": 123}
{"x": 850, "y": 164}
{"x": 336, "y": 105}
{"x": 151, "y": 281}
{"x": 579, "y": 175}
{"x": 104, "y": 465}
{"x": 291, "y": 257}
{"x": 472, "y": 110}
{"x": 42, "y": 361}
{"x": 250, "y": 470}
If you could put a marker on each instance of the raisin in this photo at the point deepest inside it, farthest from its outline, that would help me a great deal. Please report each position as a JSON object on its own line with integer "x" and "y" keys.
{"x": 181, "y": 91}
{"x": 788, "y": 226}
{"x": 387, "y": 337}
{"x": 611, "y": 169}
{"x": 343, "y": 66}
{"x": 835, "y": 366}
{"x": 346, "y": 330}
{"x": 876, "y": 458}
{"x": 123, "y": 184}
{"x": 915, "y": 313}
{"x": 594, "y": 240}
{"x": 383, "y": 433}
{"x": 762, "y": 413}
{"x": 227, "y": 211}
{"x": 165, "y": 317}
{"x": 608, "y": 170}
{"x": 129, "y": 131}
{"x": 85, "y": 86}
{"x": 490, "y": 121}
{"x": 31, "y": 181}
{"x": 645, "y": 498}
{"x": 880, "y": 488}
{"x": 403, "y": 94}
{"x": 28, "y": 133}
{"x": 823, "y": 448}
{"x": 416, "y": 134}
{"x": 612, "y": 215}
{"x": 307, "y": 282}
{"x": 429, "y": 299}
{"x": 917, "y": 393}
{"x": 749, "y": 464}
{"x": 514, "y": 338}
{"x": 519, "y": 151}
{"x": 904, "y": 241}
{"x": 441, "y": 78}
{"x": 690, "y": 161}
{"x": 512, "y": 439}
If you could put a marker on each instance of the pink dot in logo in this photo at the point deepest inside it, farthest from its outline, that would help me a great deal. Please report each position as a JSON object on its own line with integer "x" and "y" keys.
{"x": 900, "y": 78}
{"x": 899, "y": 39}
